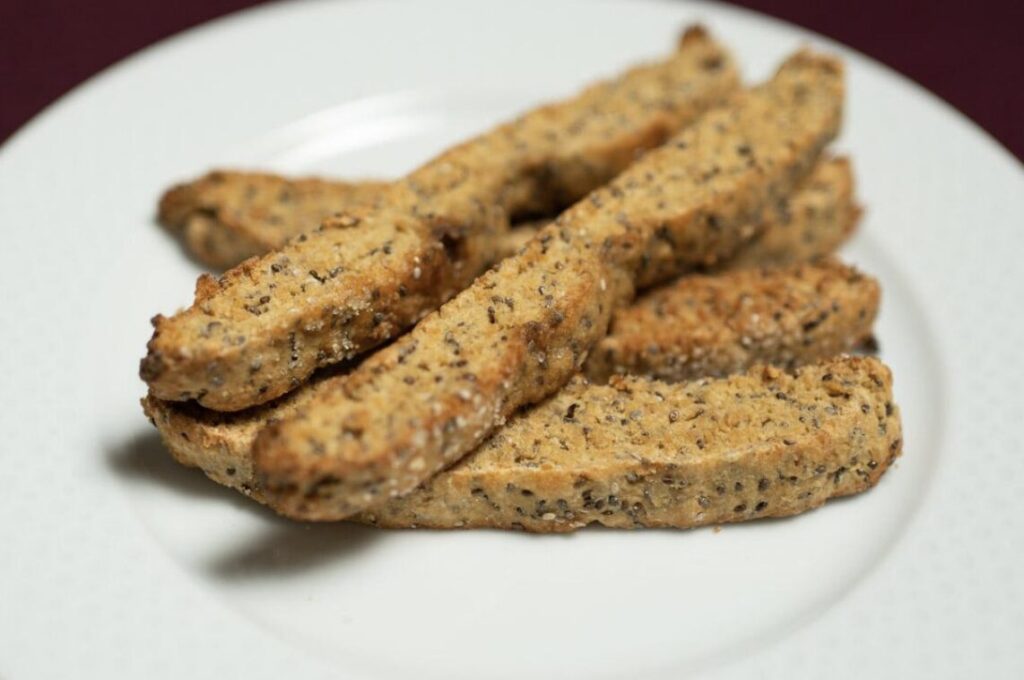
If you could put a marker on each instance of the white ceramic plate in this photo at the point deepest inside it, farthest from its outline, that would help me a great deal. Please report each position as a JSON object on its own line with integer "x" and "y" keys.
{"x": 116, "y": 563}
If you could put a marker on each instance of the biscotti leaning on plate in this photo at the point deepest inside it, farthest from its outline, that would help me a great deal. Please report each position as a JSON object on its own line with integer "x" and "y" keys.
{"x": 491, "y": 411}
{"x": 635, "y": 453}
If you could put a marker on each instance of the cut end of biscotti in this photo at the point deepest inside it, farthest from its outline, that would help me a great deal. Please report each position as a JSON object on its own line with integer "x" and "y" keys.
{"x": 181, "y": 201}
{"x": 175, "y": 205}
{"x": 807, "y": 57}
{"x": 694, "y": 33}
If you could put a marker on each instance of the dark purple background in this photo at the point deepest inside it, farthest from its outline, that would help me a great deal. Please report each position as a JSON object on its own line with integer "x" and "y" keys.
{"x": 970, "y": 53}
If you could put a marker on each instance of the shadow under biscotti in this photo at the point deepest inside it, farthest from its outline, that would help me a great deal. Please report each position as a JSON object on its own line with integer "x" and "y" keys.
{"x": 281, "y": 546}
{"x": 142, "y": 458}
{"x": 288, "y": 548}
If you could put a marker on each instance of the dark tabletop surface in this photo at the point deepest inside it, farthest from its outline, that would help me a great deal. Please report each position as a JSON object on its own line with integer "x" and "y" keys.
{"x": 969, "y": 53}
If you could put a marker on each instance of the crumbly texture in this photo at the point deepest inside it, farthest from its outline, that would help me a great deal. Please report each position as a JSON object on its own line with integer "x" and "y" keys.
{"x": 715, "y": 325}
{"x": 226, "y": 216}
{"x": 523, "y": 328}
{"x": 632, "y": 454}
{"x": 371, "y": 272}
{"x": 813, "y": 222}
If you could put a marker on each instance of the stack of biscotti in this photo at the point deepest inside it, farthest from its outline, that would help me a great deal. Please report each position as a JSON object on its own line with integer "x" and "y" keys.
{"x": 524, "y": 386}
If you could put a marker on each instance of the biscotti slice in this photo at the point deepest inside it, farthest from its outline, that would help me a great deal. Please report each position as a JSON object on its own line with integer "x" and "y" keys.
{"x": 525, "y": 327}
{"x": 630, "y": 454}
{"x": 646, "y": 454}
{"x": 371, "y": 272}
{"x": 818, "y": 218}
{"x": 715, "y": 325}
{"x": 225, "y": 217}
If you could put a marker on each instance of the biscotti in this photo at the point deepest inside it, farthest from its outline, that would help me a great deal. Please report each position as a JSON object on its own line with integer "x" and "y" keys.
{"x": 633, "y": 453}
{"x": 645, "y": 454}
{"x": 225, "y": 217}
{"x": 715, "y": 325}
{"x": 523, "y": 328}
{"x": 371, "y": 272}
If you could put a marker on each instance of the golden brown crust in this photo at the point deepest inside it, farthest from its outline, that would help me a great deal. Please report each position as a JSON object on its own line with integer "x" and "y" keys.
{"x": 715, "y": 325}
{"x": 635, "y": 453}
{"x": 225, "y": 216}
{"x": 526, "y": 326}
{"x": 366, "y": 276}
